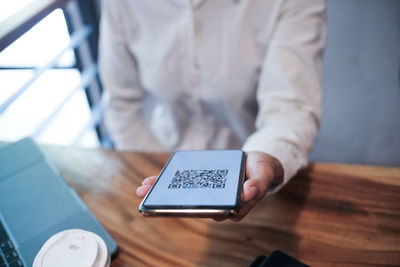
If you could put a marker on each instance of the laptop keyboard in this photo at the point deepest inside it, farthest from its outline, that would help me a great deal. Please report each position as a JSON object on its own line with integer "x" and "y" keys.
{"x": 8, "y": 255}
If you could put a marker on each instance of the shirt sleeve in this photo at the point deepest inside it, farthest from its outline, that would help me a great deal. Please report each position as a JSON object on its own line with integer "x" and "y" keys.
{"x": 289, "y": 89}
{"x": 123, "y": 95}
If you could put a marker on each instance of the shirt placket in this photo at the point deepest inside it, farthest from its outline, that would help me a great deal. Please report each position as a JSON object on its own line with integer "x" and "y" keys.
{"x": 193, "y": 67}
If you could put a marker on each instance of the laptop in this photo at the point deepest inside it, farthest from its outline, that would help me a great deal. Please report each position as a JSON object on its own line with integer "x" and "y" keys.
{"x": 36, "y": 203}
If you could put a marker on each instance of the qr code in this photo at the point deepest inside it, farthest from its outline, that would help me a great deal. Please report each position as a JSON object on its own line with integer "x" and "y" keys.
{"x": 199, "y": 179}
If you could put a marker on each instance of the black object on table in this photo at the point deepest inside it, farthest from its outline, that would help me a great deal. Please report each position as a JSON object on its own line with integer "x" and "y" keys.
{"x": 277, "y": 259}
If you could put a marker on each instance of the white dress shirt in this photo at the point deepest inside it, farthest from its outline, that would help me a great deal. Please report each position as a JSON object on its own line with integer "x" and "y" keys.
{"x": 214, "y": 74}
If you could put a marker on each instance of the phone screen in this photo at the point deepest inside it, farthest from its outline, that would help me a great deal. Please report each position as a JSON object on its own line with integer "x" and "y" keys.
{"x": 204, "y": 178}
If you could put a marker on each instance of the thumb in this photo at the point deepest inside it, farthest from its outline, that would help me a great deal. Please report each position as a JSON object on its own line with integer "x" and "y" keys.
{"x": 250, "y": 191}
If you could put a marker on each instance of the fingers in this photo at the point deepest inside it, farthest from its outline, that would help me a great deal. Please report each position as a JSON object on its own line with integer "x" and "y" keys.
{"x": 145, "y": 187}
{"x": 149, "y": 180}
{"x": 142, "y": 190}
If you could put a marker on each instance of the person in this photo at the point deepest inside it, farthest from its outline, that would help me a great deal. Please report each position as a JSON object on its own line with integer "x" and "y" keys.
{"x": 203, "y": 74}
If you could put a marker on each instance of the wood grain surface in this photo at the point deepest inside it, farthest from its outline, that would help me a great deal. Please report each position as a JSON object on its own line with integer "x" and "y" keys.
{"x": 328, "y": 215}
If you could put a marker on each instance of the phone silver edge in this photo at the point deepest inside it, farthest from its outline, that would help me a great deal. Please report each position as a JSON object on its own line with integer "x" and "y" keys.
{"x": 187, "y": 212}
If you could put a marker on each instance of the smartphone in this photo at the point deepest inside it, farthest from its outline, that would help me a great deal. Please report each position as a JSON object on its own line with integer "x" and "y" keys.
{"x": 197, "y": 183}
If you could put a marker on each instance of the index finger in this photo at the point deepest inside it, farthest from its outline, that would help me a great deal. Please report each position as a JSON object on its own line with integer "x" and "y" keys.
{"x": 149, "y": 180}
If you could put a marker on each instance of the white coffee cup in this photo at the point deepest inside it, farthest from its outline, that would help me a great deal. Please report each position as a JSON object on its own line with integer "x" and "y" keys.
{"x": 73, "y": 247}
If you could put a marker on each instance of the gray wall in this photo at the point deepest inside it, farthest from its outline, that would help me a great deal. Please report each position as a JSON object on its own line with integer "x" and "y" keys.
{"x": 361, "y": 113}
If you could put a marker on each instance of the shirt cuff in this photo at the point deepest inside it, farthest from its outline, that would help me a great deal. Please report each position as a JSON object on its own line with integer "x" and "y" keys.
{"x": 290, "y": 157}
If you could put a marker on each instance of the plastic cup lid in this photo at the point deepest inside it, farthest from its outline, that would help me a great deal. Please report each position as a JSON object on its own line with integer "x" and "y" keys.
{"x": 73, "y": 248}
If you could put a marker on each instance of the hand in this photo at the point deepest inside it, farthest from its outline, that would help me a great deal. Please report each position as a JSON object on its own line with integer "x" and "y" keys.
{"x": 261, "y": 171}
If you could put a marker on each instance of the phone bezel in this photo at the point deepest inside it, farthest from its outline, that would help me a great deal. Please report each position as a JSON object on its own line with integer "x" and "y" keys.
{"x": 197, "y": 210}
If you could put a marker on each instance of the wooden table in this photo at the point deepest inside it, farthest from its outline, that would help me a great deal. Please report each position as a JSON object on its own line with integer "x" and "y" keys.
{"x": 329, "y": 215}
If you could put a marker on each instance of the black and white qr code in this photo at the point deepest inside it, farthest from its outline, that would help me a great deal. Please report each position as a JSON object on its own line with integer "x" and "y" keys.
{"x": 199, "y": 179}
